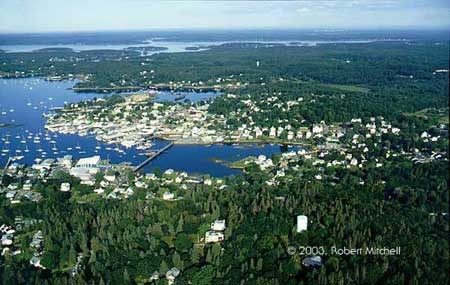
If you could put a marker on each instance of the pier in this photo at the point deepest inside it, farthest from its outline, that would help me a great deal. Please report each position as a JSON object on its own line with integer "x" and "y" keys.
{"x": 152, "y": 156}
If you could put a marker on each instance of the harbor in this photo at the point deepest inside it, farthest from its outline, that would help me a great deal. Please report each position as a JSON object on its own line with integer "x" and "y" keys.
{"x": 23, "y": 134}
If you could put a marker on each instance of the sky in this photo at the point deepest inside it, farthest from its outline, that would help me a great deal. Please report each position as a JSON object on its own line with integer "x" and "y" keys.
{"x": 19, "y": 16}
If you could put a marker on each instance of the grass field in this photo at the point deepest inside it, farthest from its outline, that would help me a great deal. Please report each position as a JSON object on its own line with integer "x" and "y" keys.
{"x": 441, "y": 115}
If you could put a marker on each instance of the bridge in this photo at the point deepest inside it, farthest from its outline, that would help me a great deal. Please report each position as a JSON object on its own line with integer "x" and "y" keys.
{"x": 152, "y": 155}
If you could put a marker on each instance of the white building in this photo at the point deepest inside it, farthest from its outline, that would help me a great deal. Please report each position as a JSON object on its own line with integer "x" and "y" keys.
{"x": 302, "y": 223}
{"x": 86, "y": 168}
{"x": 212, "y": 236}
{"x": 218, "y": 225}
{"x": 317, "y": 129}
{"x": 65, "y": 187}
{"x": 168, "y": 196}
{"x": 89, "y": 162}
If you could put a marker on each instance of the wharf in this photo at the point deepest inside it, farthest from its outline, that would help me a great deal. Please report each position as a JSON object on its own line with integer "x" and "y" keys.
{"x": 153, "y": 155}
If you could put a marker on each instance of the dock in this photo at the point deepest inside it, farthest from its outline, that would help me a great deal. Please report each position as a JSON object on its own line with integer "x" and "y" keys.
{"x": 152, "y": 155}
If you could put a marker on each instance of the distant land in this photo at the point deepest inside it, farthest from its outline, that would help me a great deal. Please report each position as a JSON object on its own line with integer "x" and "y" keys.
{"x": 139, "y": 37}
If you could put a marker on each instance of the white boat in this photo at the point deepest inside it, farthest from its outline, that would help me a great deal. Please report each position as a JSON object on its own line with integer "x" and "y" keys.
{"x": 26, "y": 149}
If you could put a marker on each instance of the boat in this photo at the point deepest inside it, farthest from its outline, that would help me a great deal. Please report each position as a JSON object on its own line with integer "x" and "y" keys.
{"x": 26, "y": 149}
{"x": 179, "y": 97}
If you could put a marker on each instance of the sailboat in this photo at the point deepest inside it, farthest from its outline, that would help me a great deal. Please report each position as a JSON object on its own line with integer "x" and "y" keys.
{"x": 26, "y": 149}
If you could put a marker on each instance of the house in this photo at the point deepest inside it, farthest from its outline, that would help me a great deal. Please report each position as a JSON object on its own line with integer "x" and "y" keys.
{"x": 65, "y": 187}
{"x": 110, "y": 178}
{"x": 140, "y": 184}
{"x": 35, "y": 261}
{"x": 7, "y": 239}
{"x": 171, "y": 274}
{"x": 218, "y": 225}
{"x": 168, "y": 196}
{"x": 213, "y": 236}
{"x": 317, "y": 129}
{"x": 155, "y": 276}
{"x": 11, "y": 194}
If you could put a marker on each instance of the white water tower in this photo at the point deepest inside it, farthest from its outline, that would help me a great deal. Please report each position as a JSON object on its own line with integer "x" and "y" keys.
{"x": 302, "y": 223}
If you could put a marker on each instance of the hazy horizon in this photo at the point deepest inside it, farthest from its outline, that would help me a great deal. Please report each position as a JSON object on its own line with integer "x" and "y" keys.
{"x": 48, "y": 16}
